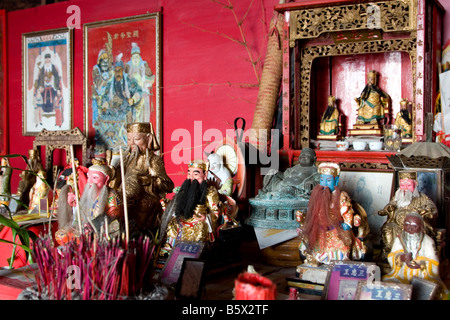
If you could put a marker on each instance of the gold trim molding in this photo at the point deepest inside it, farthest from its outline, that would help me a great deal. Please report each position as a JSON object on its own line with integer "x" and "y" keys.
{"x": 389, "y": 16}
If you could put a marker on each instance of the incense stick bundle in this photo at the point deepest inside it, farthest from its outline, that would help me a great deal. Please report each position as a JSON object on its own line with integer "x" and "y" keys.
{"x": 105, "y": 269}
{"x": 75, "y": 185}
{"x": 125, "y": 205}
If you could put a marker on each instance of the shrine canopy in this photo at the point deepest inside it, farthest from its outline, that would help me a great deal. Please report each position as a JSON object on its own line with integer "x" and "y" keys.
{"x": 431, "y": 150}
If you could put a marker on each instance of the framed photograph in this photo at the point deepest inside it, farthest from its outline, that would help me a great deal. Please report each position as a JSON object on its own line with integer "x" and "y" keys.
{"x": 3, "y": 86}
{"x": 191, "y": 281}
{"x": 372, "y": 190}
{"x": 122, "y": 72}
{"x": 342, "y": 281}
{"x": 172, "y": 269}
{"x": 47, "y": 81}
{"x": 429, "y": 182}
{"x": 380, "y": 290}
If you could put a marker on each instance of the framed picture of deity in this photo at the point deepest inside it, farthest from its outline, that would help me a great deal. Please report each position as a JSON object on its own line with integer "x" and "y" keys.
{"x": 342, "y": 280}
{"x": 381, "y": 290}
{"x": 373, "y": 191}
{"x": 3, "y": 86}
{"x": 122, "y": 74}
{"x": 47, "y": 81}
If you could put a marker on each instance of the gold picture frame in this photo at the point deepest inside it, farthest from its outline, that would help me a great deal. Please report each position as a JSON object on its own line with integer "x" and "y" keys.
{"x": 134, "y": 43}
{"x": 47, "y": 75}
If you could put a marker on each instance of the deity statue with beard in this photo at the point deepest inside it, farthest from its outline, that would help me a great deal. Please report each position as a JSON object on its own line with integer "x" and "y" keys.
{"x": 327, "y": 233}
{"x": 146, "y": 180}
{"x": 373, "y": 103}
{"x": 414, "y": 254}
{"x": 406, "y": 198}
{"x": 403, "y": 119}
{"x": 196, "y": 213}
{"x": 329, "y": 125}
{"x": 100, "y": 206}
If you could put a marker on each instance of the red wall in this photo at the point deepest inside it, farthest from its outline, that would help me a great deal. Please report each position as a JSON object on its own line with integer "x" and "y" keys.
{"x": 206, "y": 76}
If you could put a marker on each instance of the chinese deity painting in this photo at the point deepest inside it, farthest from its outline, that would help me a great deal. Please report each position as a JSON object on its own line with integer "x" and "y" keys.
{"x": 47, "y": 80}
{"x": 122, "y": 74}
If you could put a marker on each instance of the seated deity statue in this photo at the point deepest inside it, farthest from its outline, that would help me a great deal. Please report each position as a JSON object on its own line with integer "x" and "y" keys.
{"x": 413, "y": 254}
{"x": 406, "y": 198}
{"x": 373, "y": 103}
{"x": 196, "y": 213}
{"x": 403, "y": 119}
{"x": 297, "y": 181}
{"x": 28, "y": 177}
{"x": 146, "y": 180}
{"x": 327, "y": 230}
{"x": 100, "y": 207}
{"x": 40, "y": 190}
{"x": 329, "y": 124}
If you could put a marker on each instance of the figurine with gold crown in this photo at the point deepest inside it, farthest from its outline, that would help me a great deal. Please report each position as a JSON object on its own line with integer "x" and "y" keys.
{"x": 403, "y": 121}
{"x": 196, "y": 211}
{"x": 330, "y": 124}
{"x": 326, "y": 232}
{"x": 145, "y": 178}
{"x": 373, "y": 108}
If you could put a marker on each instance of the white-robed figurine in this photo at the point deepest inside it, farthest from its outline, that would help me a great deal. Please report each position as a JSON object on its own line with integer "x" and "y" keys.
{"x": 414, "y": 254}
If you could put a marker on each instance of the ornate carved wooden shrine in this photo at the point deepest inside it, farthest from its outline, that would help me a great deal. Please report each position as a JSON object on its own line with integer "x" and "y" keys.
{"x": 333, "y": 29}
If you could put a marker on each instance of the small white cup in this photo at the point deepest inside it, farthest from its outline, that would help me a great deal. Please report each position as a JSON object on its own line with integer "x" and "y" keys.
{"x": 375, "y": 145}
{"x": 359, "y": 145}
{"x": 342, "y": 145}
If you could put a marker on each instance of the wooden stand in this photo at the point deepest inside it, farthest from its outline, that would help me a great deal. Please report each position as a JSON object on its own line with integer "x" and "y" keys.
{"x": 331, "y": 137}
{"x": 366, "y": 129}
{"x": 285, "y": 254}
